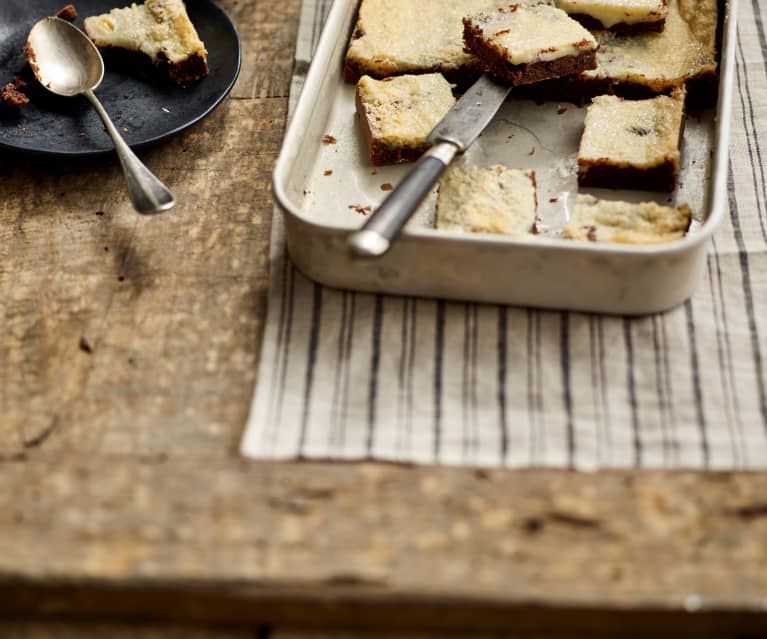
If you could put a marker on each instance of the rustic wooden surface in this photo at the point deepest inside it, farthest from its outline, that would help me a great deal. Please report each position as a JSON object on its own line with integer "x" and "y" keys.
{"x": 128, "y": 348}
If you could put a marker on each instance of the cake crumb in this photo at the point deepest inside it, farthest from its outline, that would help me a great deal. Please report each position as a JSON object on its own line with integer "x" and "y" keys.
{"x": 12, "y": 97}
{"x": 85, "y": 345}
{"x": 387, "y": 186}
{"x": 553, "y": 199}
{"x": 362, "y": 210}
{"x": 328, "y": 172}
{"x": 328, "y": 139}
{"x": 374, "y": 172}
{"x": 68, "y": 13}
{"x": 561, "y": 110}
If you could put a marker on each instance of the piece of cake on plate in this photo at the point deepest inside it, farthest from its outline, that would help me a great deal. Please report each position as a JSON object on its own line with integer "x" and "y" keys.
{"x": 159, "y": 29}
{"x": 595, "y": 220}
{"x": 618, "y": 15}
{"x": 523, "y": 43}
{"x": 632, "y": 144}
{"x": 398, "y": 113}
{"x": 495, "y": 199}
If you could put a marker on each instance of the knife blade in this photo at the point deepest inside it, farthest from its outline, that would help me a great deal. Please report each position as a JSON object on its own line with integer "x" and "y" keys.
{"x": 454, "y": 134}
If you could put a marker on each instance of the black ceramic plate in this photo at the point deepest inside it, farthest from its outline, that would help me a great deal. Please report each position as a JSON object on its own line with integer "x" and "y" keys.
{"x": 146, "y": 112}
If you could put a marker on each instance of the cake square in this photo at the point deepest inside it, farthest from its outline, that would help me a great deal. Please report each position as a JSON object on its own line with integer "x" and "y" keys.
{"x": 619, "y": 15}
{"x": 395, "y": 37}
{"x": 643, "y": 65}
{"x": 495, "y": 199}
{"x": 595, "y": 220}
{"x": 632, "y": 144}
{"x": 398, "y": 113}
{"x": 523, "y": 44}
{"x": 656, "y": 62}
{"x": 160, "y": 30}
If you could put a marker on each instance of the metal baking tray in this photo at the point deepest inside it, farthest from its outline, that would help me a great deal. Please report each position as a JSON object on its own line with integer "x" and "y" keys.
{"x": 321, "y": 187}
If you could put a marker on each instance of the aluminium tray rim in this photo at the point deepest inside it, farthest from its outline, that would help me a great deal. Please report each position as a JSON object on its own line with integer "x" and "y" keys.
{"x": 320, "y": 66}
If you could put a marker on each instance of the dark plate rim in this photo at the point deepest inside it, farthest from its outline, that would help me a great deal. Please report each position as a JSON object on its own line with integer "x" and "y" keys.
{"x": 157, "y": 138}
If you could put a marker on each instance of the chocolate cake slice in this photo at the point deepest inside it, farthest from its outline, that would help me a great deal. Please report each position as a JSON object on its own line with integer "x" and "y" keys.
{"x": 160, "y": 30}
{"x": 632, "y": 144}
{"x": 529, "y": 43}
{"x": 595, "y": 220}
{"x": 494, "y": 199}
{"x": 398, "y": 114}
{"x": 395, "y": 37}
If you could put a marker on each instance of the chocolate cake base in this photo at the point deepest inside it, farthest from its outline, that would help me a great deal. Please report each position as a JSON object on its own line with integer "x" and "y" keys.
{"x": 136, "y": 63}
{"x": 520, "y": 74}
{"x": 660, "y": 178}
{"x": 382, "y": 153}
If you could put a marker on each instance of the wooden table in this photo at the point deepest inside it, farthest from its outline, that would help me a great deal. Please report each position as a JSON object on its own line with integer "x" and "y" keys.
{"x": 128, "y": 353}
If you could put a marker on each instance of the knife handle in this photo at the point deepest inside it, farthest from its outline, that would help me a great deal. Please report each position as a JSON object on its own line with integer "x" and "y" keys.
{"x": 382, "y": 227}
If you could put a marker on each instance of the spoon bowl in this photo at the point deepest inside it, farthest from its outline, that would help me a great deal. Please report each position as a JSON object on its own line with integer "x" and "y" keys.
{"x": 67, "y": 63}
{"x": 64, "y": 60}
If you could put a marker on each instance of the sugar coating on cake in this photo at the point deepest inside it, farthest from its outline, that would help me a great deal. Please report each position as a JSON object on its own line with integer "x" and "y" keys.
{"x": 612, "y": 12}
{"x": 394, "y": 37}
{"x": 160, "y": 29}
{"x": 684, "y": 50}
{"x": 494, "y": 199}
{"x": 596, "y": 220}
{"x": 399, "y": 113}
{"x": 632, "y": 143}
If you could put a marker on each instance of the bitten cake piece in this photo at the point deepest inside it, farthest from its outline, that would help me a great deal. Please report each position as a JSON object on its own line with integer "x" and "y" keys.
{"x": 161, "y": 30}
{"x": 495, "y": 199}
{"x": 398, "y": 114}
{"x": 597, "y": 220}
{"x": 632, "y": 144}
{"x": 394, "y": 37}
{"x": 525, "y": 44}
{"x": 619, "y": 15}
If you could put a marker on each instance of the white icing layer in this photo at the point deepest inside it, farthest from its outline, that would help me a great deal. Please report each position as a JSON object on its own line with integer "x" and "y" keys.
{"x": 686, "y": 48}
{"x": 157, "y": 28}
{"x": 626, "y": 222}
{"x": 536, "y": 33}
{"x": 633, "y": 133}
{"x": 612, "y": 12}
{"x": 402, "y": 36}
{"x": 487, "y": 200}
{"x": 404, "y": 110}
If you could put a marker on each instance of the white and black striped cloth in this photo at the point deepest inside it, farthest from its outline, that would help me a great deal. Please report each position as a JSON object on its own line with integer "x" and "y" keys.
{"x": 354, "y": 376}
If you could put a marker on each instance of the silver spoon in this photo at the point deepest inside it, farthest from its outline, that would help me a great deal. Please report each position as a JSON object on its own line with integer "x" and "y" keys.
{"x": 67, "y": 63}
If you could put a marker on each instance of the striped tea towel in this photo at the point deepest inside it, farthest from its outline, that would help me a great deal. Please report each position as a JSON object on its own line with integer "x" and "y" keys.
{"x": 353, "y": 376}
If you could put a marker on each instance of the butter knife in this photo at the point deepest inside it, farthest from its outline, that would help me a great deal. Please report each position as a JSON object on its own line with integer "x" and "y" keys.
{"x": 454, "y": 134}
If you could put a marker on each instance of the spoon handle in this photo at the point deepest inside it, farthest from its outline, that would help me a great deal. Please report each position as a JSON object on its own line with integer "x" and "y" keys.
{"x": 145, "y": 190}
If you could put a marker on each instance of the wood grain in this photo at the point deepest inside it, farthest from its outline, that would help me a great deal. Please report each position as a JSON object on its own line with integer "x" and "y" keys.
{"x": 116, "y": 323}
{"x": 386, "y": 547}
{"x": 128, "y": 350}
